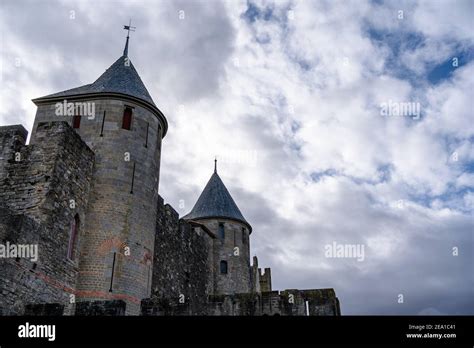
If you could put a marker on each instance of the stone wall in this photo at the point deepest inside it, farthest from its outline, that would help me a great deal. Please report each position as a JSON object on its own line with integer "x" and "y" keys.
{"x": 101, "y": 308}
{"x": 321, "y": 302}
{"x": 182, "y": 272}
{"x": 42, "y": 188}
{"x": 44, "y": 309}
{"x": 22, "y": 280}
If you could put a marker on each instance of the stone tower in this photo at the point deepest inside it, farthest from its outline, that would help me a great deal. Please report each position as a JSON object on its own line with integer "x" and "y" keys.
{"x": 216, "y": 209}
{"x": 114, "y": 239}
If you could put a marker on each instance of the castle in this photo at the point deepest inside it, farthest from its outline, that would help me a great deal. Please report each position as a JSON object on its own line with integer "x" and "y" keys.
{"x": 84, "y": 193}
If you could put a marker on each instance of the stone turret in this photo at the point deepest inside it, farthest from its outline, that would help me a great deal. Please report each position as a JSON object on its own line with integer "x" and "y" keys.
{"x": 217, "y": 210}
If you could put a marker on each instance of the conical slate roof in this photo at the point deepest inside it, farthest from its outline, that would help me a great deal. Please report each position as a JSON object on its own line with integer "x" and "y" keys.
{"x": 215, "y": 201}
{"x": 121, "y": 78}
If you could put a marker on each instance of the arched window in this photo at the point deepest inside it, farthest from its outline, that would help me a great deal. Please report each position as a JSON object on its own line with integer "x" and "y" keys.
{"x": 73, "y": 233}
{"x": 223, "y": 267}
{"x": 76, "y": 121}
{"x": 127, "y": 118}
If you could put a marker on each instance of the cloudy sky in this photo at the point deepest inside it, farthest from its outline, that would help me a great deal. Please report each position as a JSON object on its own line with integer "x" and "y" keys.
{"x": 289, "y": 95}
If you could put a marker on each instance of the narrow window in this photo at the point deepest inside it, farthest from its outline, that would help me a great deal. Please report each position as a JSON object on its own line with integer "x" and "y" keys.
{"x": 112, "y": 275}
{"x": 133, "y": 179}
{"x": 221, "y": 231}
{"x": 127, "y": 118}
{"x": 71, "y": 250}
{"x": 102, "y": 127}
{"x": 244, "y": 239}
{"x": 148, "y": 278}
{"x": 223, "y": 267}
{"x": 76, "y": 121}
{"x": 146, "y": 137}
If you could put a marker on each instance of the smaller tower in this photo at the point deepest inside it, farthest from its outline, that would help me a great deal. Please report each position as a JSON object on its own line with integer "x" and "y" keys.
{"x": 216, "y": 209}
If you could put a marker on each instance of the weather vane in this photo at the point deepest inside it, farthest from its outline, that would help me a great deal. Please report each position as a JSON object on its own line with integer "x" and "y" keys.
{"x": 129, "y": 28}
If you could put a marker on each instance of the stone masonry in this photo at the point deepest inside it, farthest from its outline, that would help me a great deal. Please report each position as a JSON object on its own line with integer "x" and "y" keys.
{"x": 40, "y": 184}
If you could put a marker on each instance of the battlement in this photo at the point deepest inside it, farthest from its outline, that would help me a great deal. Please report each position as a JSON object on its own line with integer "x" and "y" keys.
{"x": 12, "y": 131}
{"x": 12, "y": 138}
{"x": 265, "y": 279}
{"x": 33, "y": 177}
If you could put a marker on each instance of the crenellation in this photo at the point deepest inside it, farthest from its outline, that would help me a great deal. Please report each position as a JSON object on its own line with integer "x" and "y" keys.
{"x": 265, "y": 279}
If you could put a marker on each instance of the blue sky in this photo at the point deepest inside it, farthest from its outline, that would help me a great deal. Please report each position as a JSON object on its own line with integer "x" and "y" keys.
{"x": 288, "y": 95}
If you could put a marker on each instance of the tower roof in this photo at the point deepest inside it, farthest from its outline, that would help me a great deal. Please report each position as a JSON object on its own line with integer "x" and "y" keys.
{"x": 121, "y": 77}
{"x": 215, "y": 201}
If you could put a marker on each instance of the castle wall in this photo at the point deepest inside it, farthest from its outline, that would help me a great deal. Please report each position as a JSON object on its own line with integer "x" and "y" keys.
{"x": 293, "y": 302}
{"x": 321, "y": 302}
{"x": 42, "y": 188}
{"x": 182, "y": 271}
{"x": 120, "y": 227}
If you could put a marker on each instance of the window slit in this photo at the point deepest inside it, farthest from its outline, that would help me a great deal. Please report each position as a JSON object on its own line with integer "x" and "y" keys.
{"x": 112, "y": 276}
{"x": 133, "y": 178}
{"x": 146, "y": 139}
{"x": 102, "y": 128}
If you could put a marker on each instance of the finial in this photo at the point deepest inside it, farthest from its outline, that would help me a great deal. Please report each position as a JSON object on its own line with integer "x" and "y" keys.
{"x": 129, "y": 28}
{"x": 215, "y": 164}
